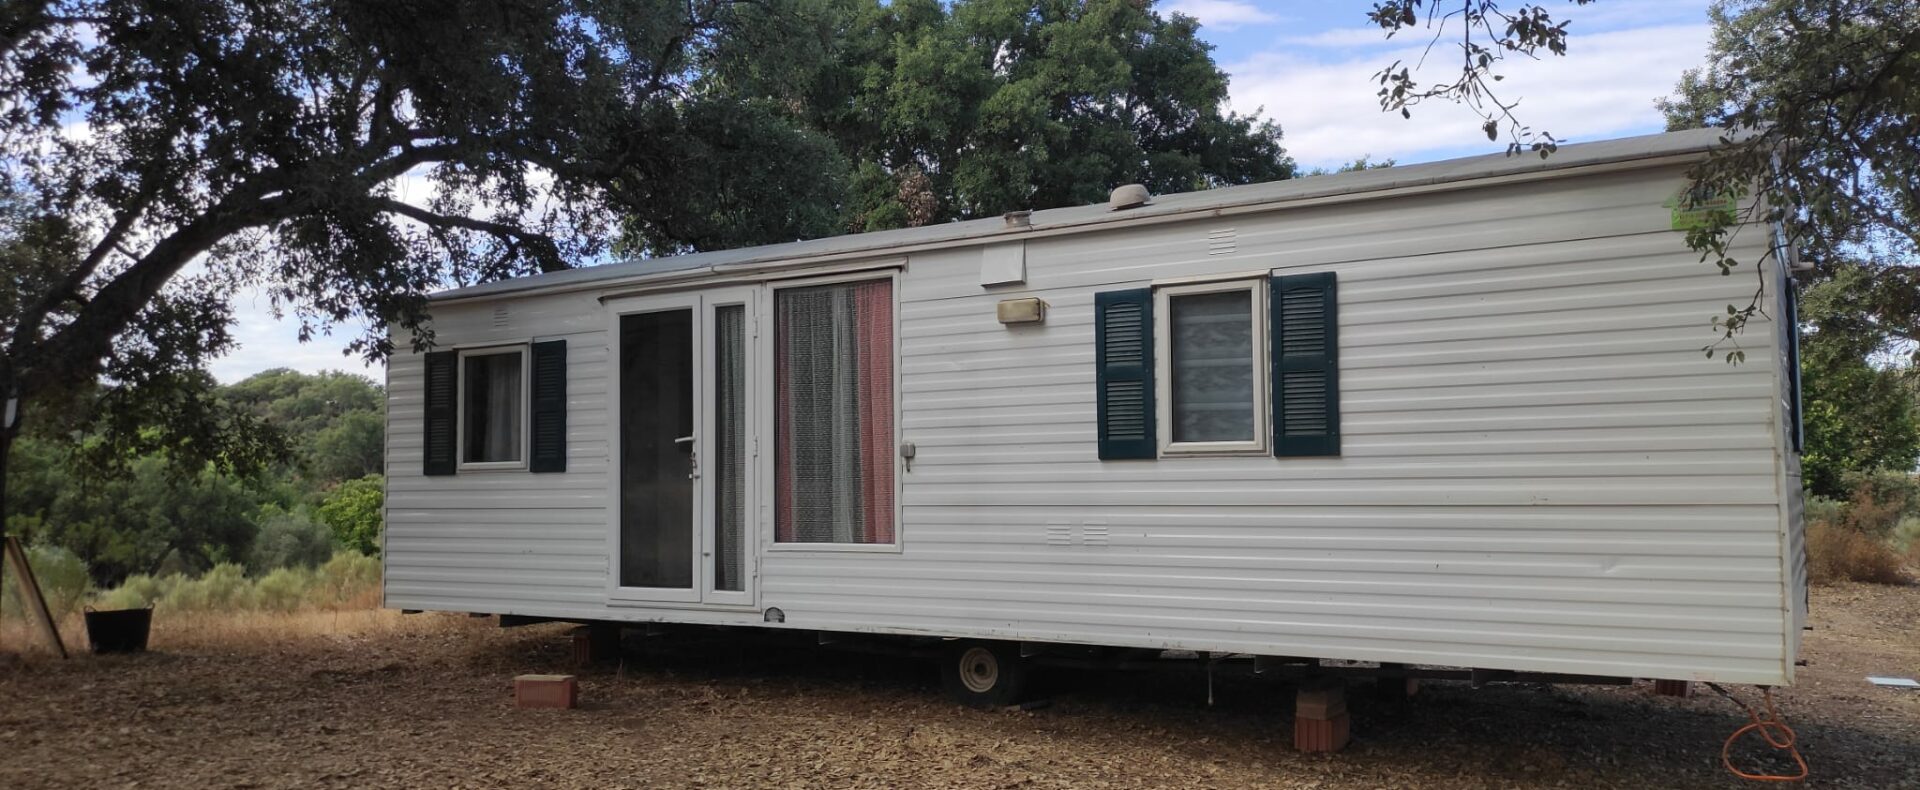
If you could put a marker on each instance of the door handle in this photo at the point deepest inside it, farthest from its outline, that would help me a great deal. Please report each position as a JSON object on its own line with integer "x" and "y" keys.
{"x": 693, "y": 457}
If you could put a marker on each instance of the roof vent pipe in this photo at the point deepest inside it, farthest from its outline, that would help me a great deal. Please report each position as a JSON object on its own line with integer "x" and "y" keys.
{"x": 1127, "y": 196}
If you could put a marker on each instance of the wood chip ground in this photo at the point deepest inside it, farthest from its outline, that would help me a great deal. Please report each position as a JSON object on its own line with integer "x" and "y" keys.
{"x": 426, "y": 701}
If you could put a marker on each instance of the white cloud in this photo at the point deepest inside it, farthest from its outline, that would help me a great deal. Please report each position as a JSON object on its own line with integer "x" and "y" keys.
{"x": 1604, "y": 87}
{"x": 1349, "y": 37}
{"x": 1222, "y": 14}
{"x": 268, "y": 342}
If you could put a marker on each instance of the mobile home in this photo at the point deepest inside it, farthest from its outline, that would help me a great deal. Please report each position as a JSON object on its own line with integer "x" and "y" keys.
{"x": 1452, "y": 414}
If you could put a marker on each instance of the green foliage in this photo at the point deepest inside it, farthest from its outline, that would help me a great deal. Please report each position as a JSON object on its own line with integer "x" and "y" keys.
{"x": 144, "y": 513}
{"x": 355, "y": 511}
{"x": 284, "y": 589}
{"x": 1860, "y": 413}
{"x": 136, "y": 521}
{"x": 1826, "y": 88}
{"x": 233, "y": 146}
{"x": 289, "y": 539}
{"x": 974, "y": 108}
{"x": 224, "y": 586}
{"x": 347, "y": 576}
{"x": 337, "y": 421}
{"x": 1365, "y": 162}
{"x": 1857, "y": 418}
{"x": 347, "y": 579}
{"x": 62, "y": 577}
{"x": 1487, "y": 36}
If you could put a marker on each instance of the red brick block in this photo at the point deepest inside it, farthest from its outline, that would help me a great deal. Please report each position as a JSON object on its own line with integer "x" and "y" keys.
{"x": 1322, "y": 735}
{"x": 1320, "y": 702}
{"x": 1322, "y": 708}
{"x": 1673, "y": 688}
{"x": 545, "y": 691}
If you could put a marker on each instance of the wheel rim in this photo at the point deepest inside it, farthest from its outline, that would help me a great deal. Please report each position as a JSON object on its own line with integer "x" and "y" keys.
{"x": 979, "y": 670}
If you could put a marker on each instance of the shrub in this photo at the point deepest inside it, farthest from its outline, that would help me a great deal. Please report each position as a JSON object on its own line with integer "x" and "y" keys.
{"x": 349, "y": 579}
{"x": 1906, "y": 534}
{"x": 122, "y": 598}
{"x": 62, "y": 577}
{"x": 347, "y": 576}
{"x": 225, "y": 586}
{"x": 289, "y": 540}
{"x": 283, "y": 590}
{"x": 1819, "y": 508}
{"x": 355, "y": 511}
{"x": 1836, "y": 552}
{"x": 1878, "y": 500}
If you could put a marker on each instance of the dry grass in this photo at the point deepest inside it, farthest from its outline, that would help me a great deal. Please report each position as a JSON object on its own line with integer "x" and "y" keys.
{"x": 1837, "y": 553}
{"x": 228, "y": 630}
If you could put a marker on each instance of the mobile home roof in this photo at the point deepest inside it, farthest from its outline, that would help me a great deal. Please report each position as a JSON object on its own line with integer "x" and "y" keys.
{"x": 1273, "y": 194}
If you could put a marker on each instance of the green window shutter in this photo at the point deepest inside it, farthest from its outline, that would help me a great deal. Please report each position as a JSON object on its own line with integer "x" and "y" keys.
{"x": 1306, "y": 365}
{"x": 1123, "y": 352}
{"x": 441, "y": 400}
{"x": 549, "y": 418}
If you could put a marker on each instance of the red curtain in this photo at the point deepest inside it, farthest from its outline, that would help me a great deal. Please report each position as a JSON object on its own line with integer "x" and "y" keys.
{"x": 874, "y": 313}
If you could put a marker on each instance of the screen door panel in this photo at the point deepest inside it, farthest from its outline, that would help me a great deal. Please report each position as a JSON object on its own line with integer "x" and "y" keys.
{"x": 656, "y": 450}
{"x": 729, "y": 448}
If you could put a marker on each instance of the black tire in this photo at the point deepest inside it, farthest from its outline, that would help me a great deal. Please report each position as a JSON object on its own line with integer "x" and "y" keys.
{"x": 985, "y": 674}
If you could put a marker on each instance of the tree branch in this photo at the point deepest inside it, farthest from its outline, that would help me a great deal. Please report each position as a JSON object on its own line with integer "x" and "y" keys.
{"x": 541, "y": 247}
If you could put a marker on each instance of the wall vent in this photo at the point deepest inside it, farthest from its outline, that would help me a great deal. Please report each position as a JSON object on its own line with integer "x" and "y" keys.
{"x": 1222, "y": 241}
{"x": 502, "y": 316}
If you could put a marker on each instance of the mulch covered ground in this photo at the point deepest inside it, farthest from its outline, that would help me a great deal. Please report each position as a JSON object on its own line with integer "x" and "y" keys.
{"x": 426, "y": 701}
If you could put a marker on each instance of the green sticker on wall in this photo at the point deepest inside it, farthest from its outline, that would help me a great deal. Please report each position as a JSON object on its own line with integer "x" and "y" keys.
{"x": 1693, "y": 208}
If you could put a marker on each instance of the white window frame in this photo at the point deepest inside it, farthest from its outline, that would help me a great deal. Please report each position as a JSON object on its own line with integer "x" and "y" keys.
{"x": 769, "y": 459}
{"x": 460, "y": 409}
{"x": 1163, "y": 368}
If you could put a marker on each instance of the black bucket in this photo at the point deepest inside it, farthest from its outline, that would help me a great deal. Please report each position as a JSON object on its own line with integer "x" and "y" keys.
{"x": 119, "y": 630}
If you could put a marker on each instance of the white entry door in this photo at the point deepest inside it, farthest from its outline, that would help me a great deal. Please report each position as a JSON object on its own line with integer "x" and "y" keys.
{"x": 684, "y": 448}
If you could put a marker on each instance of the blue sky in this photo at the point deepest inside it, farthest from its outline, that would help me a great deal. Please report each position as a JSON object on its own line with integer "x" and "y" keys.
{"x": 1311, "y": 66}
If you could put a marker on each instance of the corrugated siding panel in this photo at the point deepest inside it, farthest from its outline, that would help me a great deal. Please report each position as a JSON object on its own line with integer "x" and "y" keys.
{"x": 502, "y": 541}
{"x": 1539, "y": 470}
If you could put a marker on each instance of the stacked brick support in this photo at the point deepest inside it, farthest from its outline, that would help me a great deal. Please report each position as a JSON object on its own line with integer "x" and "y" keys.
{"x": 1320, "y": 719}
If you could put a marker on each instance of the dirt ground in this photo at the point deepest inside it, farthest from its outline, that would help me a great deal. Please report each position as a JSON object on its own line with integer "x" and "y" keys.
{"x": 378, "y": 700}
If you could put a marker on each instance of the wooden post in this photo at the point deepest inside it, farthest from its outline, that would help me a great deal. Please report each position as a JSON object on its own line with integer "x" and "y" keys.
{"x": 30, "y": 594}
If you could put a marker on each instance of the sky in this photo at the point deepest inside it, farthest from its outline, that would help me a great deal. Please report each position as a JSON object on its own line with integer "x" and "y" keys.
{"x": 1310, "y": 66}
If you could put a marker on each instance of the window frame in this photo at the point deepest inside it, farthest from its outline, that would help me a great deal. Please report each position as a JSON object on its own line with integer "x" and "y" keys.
{"x": 769, "y": 414}
{"x": 460, "y": 408}
{"x": 1163, "y": 371}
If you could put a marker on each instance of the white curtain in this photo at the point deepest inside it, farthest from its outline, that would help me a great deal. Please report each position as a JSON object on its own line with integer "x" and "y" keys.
{"x": 833, "y": 378}
{"x": 730, "y": 448}
{"x": 1213, "y": 367}
{"x": 493, "y": 407}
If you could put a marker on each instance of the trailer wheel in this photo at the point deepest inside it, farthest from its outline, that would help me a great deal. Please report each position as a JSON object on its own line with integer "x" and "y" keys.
{"x": 985, "y": 674}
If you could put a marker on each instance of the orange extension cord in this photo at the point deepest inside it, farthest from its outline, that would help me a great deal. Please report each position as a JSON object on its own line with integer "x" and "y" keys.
{"x": 1772, "y": 729}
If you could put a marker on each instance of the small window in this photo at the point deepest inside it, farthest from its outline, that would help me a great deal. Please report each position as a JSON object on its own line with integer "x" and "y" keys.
{"x": 1212, "y": 367}
{"x": 493, "y": 404}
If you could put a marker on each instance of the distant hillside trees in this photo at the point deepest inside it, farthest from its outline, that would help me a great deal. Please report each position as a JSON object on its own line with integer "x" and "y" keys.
{"x": 153, "y": 512}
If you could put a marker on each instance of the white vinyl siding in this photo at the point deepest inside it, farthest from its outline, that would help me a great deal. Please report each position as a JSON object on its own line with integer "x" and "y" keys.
{"x": 1539, "y": 470}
